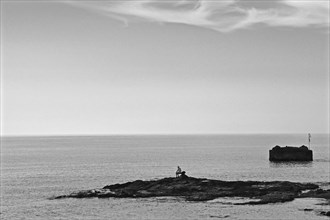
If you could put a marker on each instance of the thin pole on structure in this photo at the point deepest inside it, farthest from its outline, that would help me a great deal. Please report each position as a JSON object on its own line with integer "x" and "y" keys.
{"x": 309, "y": 140}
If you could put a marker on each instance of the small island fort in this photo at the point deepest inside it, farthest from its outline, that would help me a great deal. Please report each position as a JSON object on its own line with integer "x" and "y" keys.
{"x": 290, "y": 153}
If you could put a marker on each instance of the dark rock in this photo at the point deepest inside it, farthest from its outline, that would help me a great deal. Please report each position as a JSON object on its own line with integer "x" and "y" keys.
{"x": 219, "y": 216}
{"x": 317, "y": 193}
{"x": 198, "y": 189}
{"x": 290, "y": 154}
{"x": 326, "y": 213}
{"x": 183, "y": 175}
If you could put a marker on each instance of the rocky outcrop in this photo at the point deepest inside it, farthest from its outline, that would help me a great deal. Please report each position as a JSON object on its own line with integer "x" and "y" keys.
{"x": 290, "y": 154}
{"x": 326, "y": 213}
{"x": 317, "y": 193}
{"x": 200, "y": 189}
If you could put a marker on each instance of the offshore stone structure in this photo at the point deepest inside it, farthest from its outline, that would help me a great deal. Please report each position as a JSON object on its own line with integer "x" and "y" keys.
{"x": 289, "y": 153}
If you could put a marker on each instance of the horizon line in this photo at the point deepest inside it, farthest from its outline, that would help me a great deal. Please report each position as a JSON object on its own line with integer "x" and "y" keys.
{"x": 159, "y": 134}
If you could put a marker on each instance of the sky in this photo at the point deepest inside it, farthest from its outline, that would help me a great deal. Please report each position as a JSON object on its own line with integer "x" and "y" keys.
{"x": 164, "y": 67}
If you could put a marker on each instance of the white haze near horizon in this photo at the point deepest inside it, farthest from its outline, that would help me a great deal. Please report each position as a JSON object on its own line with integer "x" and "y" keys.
{"x": 151, "y": 67}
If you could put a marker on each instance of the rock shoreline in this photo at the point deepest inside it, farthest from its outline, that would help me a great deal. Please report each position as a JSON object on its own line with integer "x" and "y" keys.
{"x": 201, "y": 189}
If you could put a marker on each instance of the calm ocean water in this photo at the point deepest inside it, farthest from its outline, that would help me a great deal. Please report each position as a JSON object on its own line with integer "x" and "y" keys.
{"x": 34, "y": 169}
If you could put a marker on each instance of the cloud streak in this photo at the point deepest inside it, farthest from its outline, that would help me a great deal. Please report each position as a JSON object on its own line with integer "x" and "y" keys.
{"x": 219, "y": 15}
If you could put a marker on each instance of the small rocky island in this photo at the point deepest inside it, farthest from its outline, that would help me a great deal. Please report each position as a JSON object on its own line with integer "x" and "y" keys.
{"x": 289, "y": 153}
{"x": 201, "y": 189}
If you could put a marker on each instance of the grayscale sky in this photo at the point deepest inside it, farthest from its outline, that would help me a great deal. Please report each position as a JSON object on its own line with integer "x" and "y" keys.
{"x": 173, "y": 67}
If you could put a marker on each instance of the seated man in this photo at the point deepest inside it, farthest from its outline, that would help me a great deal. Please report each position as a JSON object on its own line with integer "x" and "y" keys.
{"x": 178, "y": 172}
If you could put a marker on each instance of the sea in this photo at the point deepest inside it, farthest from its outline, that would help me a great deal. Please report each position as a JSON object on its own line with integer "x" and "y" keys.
{"x": 35, "y": 169}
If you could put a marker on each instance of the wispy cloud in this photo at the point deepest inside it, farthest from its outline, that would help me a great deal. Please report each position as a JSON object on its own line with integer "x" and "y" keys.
{"x": 220, "y": 15}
